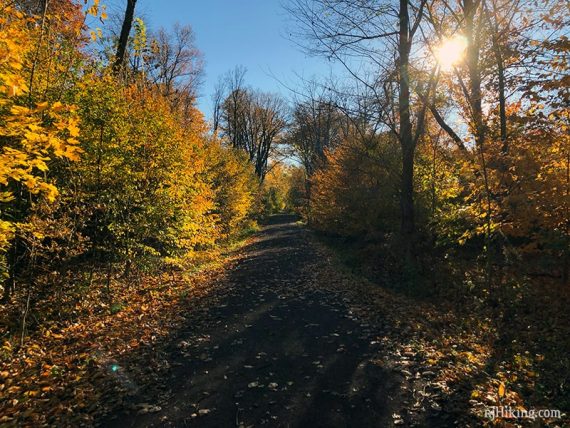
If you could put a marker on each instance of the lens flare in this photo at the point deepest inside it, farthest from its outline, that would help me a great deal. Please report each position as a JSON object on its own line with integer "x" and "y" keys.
{"x": 450, "y": 52}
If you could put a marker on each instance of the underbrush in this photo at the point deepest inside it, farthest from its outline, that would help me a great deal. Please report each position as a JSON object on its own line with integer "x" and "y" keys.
{"x": 498, "y": 342}
{"x": 59, "y": 353}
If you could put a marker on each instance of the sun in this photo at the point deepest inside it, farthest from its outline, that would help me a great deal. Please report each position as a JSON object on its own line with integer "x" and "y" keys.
{"x": 450, "y": 52}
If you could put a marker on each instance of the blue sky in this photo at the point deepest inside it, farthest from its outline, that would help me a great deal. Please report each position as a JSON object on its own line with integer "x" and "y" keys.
{"x": 252, "y": 33}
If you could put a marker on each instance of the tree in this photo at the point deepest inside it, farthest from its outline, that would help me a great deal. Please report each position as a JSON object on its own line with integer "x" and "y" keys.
{"x": 124, "y": 36}
{"x": 175, "y": 65}
{"x": 382, "y": 35}
{"x": 251, "y": 121}
{"x": 317, "y": 125}
{"x": 98, "y": 167}
{"x": 38, "y": 130}
{"x": 486, "y": 89}
{"x": 356, "y": 194}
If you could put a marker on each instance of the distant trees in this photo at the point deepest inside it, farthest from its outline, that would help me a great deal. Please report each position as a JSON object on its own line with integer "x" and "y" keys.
{"x": 316, "y": 126}
{"x": 250, "y": 121}
{"x": 175, "y": 64}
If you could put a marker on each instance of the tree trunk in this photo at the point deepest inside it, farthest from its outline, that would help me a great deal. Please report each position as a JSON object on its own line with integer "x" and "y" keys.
{"x": 472, "y": 56}
{"x": 124, "y": 37}
{"x": 407, "y": 195}
{"x": 502, "y": 101}
{"x": 406, "y": 138}
{"x": 501, "y": 77}
{"x": 480, "y": 130}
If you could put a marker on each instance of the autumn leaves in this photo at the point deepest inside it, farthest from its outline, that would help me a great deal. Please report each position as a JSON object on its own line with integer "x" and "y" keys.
{"x": 131, "y": 167}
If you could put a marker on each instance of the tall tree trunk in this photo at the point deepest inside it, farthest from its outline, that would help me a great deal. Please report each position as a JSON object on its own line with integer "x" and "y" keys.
{"x": 566, "y": 252}
{"x": 124, "y": 37}
{"x": 476, "y": 103}
{"x": 406, "y": 138}
{"x": 472, "y": 56}
{"x": 502, "y": 101}
{"x": 501, "y": 76}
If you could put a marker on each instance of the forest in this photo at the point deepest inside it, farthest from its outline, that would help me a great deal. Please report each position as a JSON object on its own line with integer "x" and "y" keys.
{"x": 399, "y": 229}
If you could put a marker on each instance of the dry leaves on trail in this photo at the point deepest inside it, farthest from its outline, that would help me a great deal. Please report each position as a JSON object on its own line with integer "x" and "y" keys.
{"x": 74, "y": 370}
{"x": 448, "y": 360}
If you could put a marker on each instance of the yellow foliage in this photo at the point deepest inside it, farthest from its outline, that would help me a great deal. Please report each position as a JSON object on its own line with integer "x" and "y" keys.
{"x": 353, "y": 194}
{"x": 34, "y": 131}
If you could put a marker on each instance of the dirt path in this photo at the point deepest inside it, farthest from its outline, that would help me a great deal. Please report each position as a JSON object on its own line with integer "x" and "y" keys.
{"x": 269, "y": 351}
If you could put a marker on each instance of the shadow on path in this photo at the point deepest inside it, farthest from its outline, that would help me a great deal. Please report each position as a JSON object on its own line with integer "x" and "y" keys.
{"x": 269, "y": 351}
